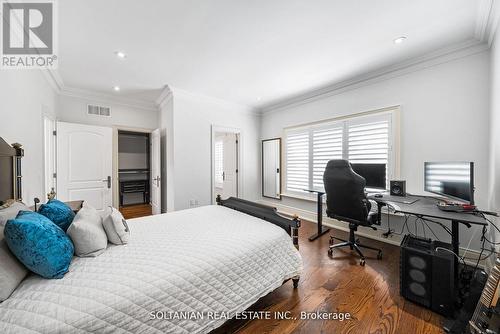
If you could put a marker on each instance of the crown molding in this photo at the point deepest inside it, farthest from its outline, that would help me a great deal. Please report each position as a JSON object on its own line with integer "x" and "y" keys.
{"x": 165, "y": 96}
{"x": 441, "y": 56}
{"x": 108, "y": 99}
{"x": 53, "y": 79}
{"x": 488, "y": 16}
{"x": 493, "y": 20}
{"x": 482, "y": 19}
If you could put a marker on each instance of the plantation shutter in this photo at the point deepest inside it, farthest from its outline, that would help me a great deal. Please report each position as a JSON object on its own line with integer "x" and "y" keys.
{"x": 297, "y": 160}
{"x": 219, "y": 162}
{"x": 364, "y": 139}
{"x": 368, "y": 141}
{"x": 327, "y": 145}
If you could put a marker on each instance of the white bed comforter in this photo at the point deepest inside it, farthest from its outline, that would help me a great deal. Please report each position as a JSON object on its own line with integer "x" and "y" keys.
{"x": 208, "y": 259}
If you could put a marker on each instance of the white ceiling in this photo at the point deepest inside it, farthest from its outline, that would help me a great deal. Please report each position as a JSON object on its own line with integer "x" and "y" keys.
{"x": 253, "y": 52}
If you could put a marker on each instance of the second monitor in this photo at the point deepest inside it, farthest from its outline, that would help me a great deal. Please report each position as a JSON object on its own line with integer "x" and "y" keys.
{"x": 374, "y": 174}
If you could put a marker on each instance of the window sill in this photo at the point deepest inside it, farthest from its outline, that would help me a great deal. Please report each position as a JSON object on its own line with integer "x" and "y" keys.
{"x": 301, "y": 197}
{"x": 313, "y": 200}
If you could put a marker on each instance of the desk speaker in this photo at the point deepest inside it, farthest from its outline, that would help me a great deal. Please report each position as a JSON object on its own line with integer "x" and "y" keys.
{"x": 426, "y": 275}
{"x": 398, "y": 188}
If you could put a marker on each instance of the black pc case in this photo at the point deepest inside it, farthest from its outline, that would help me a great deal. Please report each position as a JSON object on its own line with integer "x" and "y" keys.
{"x": 427, "y": 274}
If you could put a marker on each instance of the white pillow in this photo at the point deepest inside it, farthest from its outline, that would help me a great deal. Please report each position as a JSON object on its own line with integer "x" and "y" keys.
{"x": 87, "y": 233}
{"x": 116, "y": 227}
{"x": 12, "y": 272}
{"x": 11, "y": 212}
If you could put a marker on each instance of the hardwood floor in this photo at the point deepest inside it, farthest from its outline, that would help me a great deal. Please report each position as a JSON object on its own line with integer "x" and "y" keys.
{"x": 136, "y": 211}
{"x": 339, "y": 284}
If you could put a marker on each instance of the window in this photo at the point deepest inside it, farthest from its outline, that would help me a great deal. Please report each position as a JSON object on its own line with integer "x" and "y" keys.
{"x": 219, "y": 163}
{"x": 368, "y": 142}
{"x": 297, "y": 158}
{"x": 326, "y": 145}
{"x": 366, "y": 139}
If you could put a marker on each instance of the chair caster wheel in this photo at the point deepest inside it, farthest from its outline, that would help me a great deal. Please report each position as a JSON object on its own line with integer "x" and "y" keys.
{"x": 362, "y": 262}
{"x": 330, "y": 252}
{"x": 331, "y": 241}
{"x": 379, "y": 256}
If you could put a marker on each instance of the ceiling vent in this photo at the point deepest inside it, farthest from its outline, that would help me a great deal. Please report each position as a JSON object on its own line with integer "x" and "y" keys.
{"x": 98, "y": 110}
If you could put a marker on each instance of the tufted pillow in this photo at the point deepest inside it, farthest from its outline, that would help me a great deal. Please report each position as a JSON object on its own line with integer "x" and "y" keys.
{"x": 116, "y": 227}
{"x": 87, "y": 233}
{"x": 58, "y": 212}
{"x": 12, "y": 272}
{"x": 11, "y": 211}
{"x": 39, "y": 244}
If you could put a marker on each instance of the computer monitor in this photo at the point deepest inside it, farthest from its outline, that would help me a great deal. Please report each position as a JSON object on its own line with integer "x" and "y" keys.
{"x": 450, "y": 179}
{"x": 374, "y": 174}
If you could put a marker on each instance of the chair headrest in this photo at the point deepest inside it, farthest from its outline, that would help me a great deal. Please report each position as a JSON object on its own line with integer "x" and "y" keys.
{"x": 339, "y": 163}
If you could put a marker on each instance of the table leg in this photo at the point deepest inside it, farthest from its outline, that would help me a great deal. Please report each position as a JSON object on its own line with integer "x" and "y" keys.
{"x": 455, "y": 243}
{"x": 321, "y": 230}
{"x": 379, "y": 213}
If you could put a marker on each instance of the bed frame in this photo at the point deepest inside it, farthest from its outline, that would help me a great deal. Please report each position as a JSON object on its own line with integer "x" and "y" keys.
{"x": 267, "y": 213}
{"x": 10, "y": 171}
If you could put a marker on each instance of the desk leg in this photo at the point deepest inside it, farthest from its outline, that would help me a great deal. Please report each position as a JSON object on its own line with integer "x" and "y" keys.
{"x": 455, "y": 243}
{"x": 319, "y": 218}
{"x": 379, "y": 213}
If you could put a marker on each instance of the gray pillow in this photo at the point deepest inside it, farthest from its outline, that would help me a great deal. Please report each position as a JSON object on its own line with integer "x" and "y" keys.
{"x": 11, "y": 212}
{"x": 87, "y": 233}
{"x": 12, "y": 272}
{"x": 116, "y": 227}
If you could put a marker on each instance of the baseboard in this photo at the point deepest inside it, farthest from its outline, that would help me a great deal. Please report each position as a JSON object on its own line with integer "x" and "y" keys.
{"x": 393, "y": 239}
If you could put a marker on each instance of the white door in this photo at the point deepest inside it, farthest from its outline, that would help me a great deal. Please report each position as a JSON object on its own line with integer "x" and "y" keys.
{"x": 84, "y": 164}
{"x": 155, "y": 172}
{"x": 230, "y": 176}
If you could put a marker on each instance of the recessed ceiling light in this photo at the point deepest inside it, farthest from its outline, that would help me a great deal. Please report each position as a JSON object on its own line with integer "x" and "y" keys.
{"x": 120, "y": 54}
{"x": 116, "y": 88}
{"x": 400, "y": 40}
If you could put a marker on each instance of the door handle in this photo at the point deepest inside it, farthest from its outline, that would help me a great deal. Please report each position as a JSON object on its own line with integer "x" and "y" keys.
{"x": 108, "y": 180}
{"x": 157, "y": 180}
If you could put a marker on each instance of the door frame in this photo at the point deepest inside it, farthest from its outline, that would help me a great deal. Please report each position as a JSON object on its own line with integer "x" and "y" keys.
{"x": 115, "y": 183}
{"x": 219, "y": 128}
{"x": 49, "y": 150}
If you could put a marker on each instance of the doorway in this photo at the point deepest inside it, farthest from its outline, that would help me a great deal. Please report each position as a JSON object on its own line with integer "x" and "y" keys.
{"x": 106, "y": 166}
{"x": 134, "y": 173}
{"x": 226, "y": 162}
{"x": 139, "y": 183}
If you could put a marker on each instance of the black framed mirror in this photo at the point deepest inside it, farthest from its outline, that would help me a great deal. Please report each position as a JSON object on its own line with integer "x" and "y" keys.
{"x": 271, "y": 168}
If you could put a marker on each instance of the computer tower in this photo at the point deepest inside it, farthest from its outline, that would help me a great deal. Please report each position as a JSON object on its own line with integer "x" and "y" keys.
{"x": 427, "y": 274}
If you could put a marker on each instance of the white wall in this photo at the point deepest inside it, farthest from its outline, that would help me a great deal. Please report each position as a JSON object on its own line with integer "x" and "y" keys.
{"x": 193, "y": 117}
{"x": 132, "y": 152}
{"x": 24, "y": 96}
{"x": 74, "y": 110}
{"x": 494, "y": 190}
{"x": 444, "y": 116}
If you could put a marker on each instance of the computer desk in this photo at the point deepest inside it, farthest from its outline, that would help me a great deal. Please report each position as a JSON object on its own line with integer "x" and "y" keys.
{"x": 426, "y": 207}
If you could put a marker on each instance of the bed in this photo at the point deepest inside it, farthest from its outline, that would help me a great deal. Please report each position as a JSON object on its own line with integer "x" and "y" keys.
{"x": 182, "y": 272}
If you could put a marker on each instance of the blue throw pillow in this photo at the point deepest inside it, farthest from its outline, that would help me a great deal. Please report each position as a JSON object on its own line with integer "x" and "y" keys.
{"x": 58, "y": 212}
{"x": 39, "y": 244}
